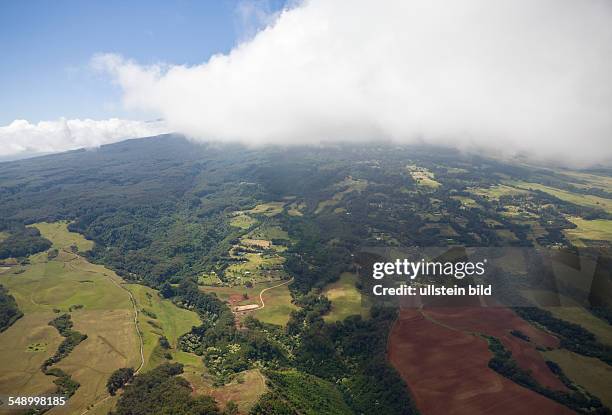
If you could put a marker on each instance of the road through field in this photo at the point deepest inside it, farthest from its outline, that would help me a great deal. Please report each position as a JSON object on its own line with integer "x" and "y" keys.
{"x": 133, "y": 301}
{"x": 263, "y": 304}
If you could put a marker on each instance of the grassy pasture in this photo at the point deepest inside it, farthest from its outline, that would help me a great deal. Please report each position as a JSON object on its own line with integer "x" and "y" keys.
{"x": 61, "y": 237}
{"x": 257, "y": 267}
{"x": 575, "y": 198}
{"x": 466, "y": 201}
{"x": 111, "y": 344}
{"x": 592, "y": 180}
{"x": 242, "y": 221}
{"x": 3, "y": 236}
{"x": 506, "y": 234}
{"x": 170, "y": 321}
{"x": 589, "y": 372}
{"x": 278, "y": 306}
{"x": 295, "y": 209}
{"x": 348, "y": 185}
{"x": 422, "y": 176}
{"x": 277, "y": 300}
{"x": 268, "y": 209}
{"x": 269, "y": 232}
{"x": 599, "y": 229}
{"x": 19, "y": 365}
{"x": 578, "y": 315}
{"x": 106, "y": 318}
{"x": 345, "y": 298}
{"x": 244, "y": 390}
{"x": 497, "y": 191}
{"x": 209, "y": 279}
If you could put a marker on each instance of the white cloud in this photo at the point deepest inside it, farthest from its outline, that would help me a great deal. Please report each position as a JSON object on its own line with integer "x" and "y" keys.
{"x": 520, "y": 76}
{"x": 22, "y": 137}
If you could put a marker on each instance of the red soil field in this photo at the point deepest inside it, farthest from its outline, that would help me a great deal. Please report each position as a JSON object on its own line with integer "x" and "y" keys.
{"x": 498, "y": 322}
{"x": 447, "y": 373}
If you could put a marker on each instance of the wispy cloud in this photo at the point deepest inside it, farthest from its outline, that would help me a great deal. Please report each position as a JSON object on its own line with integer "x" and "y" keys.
{"x": 521, "y": 76}
{"x": 23, "y": 137}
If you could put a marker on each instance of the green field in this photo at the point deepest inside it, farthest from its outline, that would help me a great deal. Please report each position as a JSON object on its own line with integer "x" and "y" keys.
{"x": 169, "y": 321}
{"x": 242, "y": 221}
{"x": 106, "y": 317}
{"x": 307, "y": 394}
{"x": 268, "y": 209}
{"x": 256, "y": 267}
{"x": 348, "y": 185}
{"x": 61, "y": 237}
{"x": 578, "y": 315}
{"x": 598, "y": 229}
{"x": 345, "y": 298}
{"x": 423, "y": 177}
{"x": 295, "y": 209}
{"x": 497, "y": 191}
{"x": 278, "y": 306}
{"x": 245, "y": 389}
{"x": 575, "y": 198}
{"x": 592, "y": 180}
{"x": 588, "y": 372}
{"x": 466, "y": 201}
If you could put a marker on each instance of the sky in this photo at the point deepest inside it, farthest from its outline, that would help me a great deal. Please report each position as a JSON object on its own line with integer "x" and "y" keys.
{"x": 46, "y": 48}
{"x": 526, "y": 78}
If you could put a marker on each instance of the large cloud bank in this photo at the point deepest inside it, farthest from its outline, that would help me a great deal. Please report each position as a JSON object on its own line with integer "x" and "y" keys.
{"x": 24, "y": 138}
{"x": 528, "y": 77}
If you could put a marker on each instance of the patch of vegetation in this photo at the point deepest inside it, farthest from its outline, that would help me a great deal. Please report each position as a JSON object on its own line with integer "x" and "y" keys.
{"x": 345, "y": 298}
{"x": 62, "y": 237}
{"x": 21, "y": 241}
{"x": 169, "y": 321}
{"x": 118, "y": 379}
{"x": 596, "y": 229}
{"x": 301, "y": 394}
{"x": 581, "y": 402}
{"x": 242, "y": 221}
{"x": 161, "y": 391}
{"x": 65, "y": 385}
{"x": 585, "y": 372}
{"x": 63, "y": 324}
{"x": 573, "y": 337}
{"x": 9, "y": 311}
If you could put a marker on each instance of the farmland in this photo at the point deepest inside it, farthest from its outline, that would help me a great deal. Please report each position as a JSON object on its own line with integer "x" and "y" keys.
{"x": 47, "y": 286}
{"x": 345, "y": 298}
{"x": 598, "y": 229}
{"x": 576, "y": 198}
{"x": 104, "y": 312}
{"x": 157, "y": 318}
{"x": 588, "y": 372}
{"x": 423, "y": 177}
{"x": 420, "y": 348}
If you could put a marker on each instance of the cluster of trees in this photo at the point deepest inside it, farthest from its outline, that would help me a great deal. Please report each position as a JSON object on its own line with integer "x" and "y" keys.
{"x": 225, "y": 350}
{"x": 63, "y": 324}
{"x": 161, "y": 391}
{"x": 293, "y": 392}
{"x": 573, "y": 336}
{"x": 118, "y": 379}
{"x": 65, "y": 385}
{"x": 9, "y": 311}
{"x": 21, "y": 240}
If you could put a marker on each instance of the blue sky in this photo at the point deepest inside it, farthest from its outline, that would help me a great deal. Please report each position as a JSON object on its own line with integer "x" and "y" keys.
{"x": 46, "y": 47}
